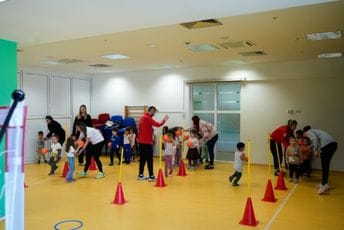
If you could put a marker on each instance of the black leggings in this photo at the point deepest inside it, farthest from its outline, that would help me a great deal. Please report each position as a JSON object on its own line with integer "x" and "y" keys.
{"x": 326, "y": 154}
{"x": 94, "y": 151}
{"x": 146, "y": 154}
{"x": 211, "y": 145}
{"x": 274, "y": 154}
{"x": 294, "y": 168}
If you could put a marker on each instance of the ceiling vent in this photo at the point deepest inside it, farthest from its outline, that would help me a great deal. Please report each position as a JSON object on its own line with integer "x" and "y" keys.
{"x": 201, "y": 24}
{"x": 69, "y": 61}
{"x": 235, "y": 45}
{"x": 252, "y": 53}
{"x": 100, "y": 65}
{"x": 202, "y": 48}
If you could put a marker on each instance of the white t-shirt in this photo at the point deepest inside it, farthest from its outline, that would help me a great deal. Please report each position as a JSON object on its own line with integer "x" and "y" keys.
{"x": 93, "y": 134}
{"x": 237, "y": 161}
{"x": 71, "y": 152}
{"x": 55, "y": 148}
{"x": 169, "y": 148}
{"x": 126, "y": 139}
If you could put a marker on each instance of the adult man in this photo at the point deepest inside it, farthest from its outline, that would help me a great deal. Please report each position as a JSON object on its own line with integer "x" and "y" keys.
{"x": 145, "y": 139}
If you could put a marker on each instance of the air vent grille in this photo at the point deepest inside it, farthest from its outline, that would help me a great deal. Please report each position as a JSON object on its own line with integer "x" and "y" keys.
{"x": 201, "y": 24}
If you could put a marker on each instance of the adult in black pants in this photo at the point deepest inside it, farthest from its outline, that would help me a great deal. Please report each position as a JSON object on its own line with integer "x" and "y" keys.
{"x": 280, "y": 136}
{"x": 145, "y": 140}
{"x": 325, "y": 146}
{"x": 86, "y": 118}
{"x": 55, "y": 128}
{"x": 93, "y": 145}
{"x": 209, "y": 135}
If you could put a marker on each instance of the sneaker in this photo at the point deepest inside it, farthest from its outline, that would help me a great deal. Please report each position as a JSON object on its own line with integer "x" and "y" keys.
{"x": 141, "y": 177}
{"x": 151, "y": 178}
{"x": 323, "y": 188}
{"x": 235, "y": 184}
{"x": 82, "y": 174}
{"x": 230, "y": 179}
{"x": 209, "y": 167}
{"x": 111, "y": 164}
{"x": 38, "y": 162}
{"x": 100, "y": 175}
{"x": 51, "y": 173}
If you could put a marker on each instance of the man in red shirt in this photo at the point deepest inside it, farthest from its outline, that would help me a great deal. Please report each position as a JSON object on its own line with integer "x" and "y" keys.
{"x": 145, "y": 140}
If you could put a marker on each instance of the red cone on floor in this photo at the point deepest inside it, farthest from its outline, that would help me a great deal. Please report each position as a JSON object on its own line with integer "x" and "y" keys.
{"x": 65, "y": 169}
{"x": 160, "y": 182}
{"x": 119, "y": 197}
{"x": 181, "y": 171}
{"x": 25, "y": 185}
{"x": 92, "y": 165}
{"x": 249, "y": 217}
{"x": 269, "y": 193}
{"x": 280, "y": 182}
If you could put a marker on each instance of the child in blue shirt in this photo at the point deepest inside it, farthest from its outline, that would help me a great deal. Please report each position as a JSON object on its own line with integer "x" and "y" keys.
{"x": 115, "y": 146}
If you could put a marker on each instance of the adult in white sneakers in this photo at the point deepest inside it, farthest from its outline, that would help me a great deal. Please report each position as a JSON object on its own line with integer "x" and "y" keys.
{"x": 93, "y": 145}
{"x": 324, "y": 146}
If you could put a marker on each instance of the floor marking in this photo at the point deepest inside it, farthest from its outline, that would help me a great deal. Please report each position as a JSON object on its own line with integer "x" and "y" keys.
{"x": 280, "y": 208}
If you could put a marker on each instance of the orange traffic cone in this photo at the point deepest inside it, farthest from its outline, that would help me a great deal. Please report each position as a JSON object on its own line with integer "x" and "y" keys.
{"x": 160, "y": 182}
{"x": 269, "y": 193}
{"x": 280, "y": 182}
{"x": 65, "y": 169}
{"x": 249, "y": 217}
{"x": 25, "y": 185}
{"x": 181, "y": 171}
{"x": 119, "y": 197}
{"x": 92, "y": 165}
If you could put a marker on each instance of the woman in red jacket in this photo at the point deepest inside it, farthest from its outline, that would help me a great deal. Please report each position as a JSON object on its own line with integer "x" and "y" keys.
{"x": 278, "y": 137}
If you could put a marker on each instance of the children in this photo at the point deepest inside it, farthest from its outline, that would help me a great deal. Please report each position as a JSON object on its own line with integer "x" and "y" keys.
{"x": 40, "y": 146}
{"x": 178, "y": 144}
{"x": 70, "y": 152}
{"x": 299, "y": 137}
{"x": 169, "y": 151}
{"x": 294, "y": 159}
{"x": 126, "y": 145}
{"x": 115, "y": 146}
{"x": 239, "y": 157}
{"x": 307, "y": 153}
{"x": 192, "y": 153}
{"x": 132, "y": 140}
{"x": 55, "y": 156}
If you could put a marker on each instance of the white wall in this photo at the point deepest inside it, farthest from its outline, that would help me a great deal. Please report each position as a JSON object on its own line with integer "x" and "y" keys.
{"x": 314, "y": 87}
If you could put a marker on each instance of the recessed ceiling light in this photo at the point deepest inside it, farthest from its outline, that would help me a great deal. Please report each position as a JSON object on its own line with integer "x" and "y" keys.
{"x": 164, "y": 67}
{"x": 52, "y": 62}
{"x": 150, "y": 45}
{"x": 3, "y": 0}
{"x": 324, "y": 35}
{"x": 202, "y": 47}
{"x": 235, "y": 62}
{"x": 330, "y": 55}
{"x": 115, "y": 56}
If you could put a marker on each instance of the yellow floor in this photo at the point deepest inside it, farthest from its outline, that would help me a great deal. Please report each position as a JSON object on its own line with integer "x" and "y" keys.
{"x": 202, "y": 200}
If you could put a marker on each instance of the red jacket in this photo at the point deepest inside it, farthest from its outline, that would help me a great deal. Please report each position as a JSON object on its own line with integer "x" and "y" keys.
{"x": 280, "y": 135}
{"x": 145, "y": 133}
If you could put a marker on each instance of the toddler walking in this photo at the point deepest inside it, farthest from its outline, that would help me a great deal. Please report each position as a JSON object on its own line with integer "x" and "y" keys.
{"x": 294, "y": 159}
{"x": 169, "y": 151}
{"x": 40, "y": 146}
{"x": 55, "y": 155}
{"x": 70, "y": 152}
{"x": 239, "y": 158}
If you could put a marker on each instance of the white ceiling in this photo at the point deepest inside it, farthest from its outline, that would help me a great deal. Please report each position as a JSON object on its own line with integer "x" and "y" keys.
{"x": 88, "y": 29}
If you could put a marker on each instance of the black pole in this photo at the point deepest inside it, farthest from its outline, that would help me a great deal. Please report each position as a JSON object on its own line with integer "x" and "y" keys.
{"x": 17, "y": 96}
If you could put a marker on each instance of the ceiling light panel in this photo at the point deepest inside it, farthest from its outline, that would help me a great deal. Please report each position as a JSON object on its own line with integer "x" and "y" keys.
{"x": 202, "y": 48}
{"x": 330, "y": 55}
{"x": 324, "y": 36}
{"x": 115, "y": 56}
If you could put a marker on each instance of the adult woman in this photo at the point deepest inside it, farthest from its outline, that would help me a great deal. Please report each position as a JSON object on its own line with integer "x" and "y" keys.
{"x": 209, "y": 135}
{"x": 280, "y": 136}
{"x": 55, "y": 128}
{"x": 94, "y": 143}
{"x": 86, "y": 118}
{"x": 325, "y": 146}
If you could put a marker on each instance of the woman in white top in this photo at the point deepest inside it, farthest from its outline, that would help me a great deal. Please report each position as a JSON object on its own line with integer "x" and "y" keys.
{"x": 94, "y": 144}
{"x": 325, "y": 146}
{"x": 209, "y": 135}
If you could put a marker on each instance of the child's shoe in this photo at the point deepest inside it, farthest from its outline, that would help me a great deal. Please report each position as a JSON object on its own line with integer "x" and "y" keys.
{"x": 38, "y": 162}
{"x": 235, "y": 184}
{"x": 111, "y": 164}
{"x": 100, "y": 175}
{"x": 82, "y": 174}
{"x": 151, "y": 178}
{"x": 141, "y": 177}
{"x": 323, "y": 188}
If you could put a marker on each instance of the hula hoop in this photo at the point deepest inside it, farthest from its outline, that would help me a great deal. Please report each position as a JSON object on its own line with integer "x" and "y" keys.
{"x": 69, "y": 221}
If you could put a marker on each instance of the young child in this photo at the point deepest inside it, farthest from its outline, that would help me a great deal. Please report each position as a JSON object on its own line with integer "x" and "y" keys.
{"x": 307, "y": 153}
{"x": 178, "y": 144}
{"x": 55, "y": 155}
{"x": 132, "y": 140}
{"x": 40, "y": 146}
{"x": 299, "y": 137}
{"x": 126, "y": 145}
{"x": 115, "y": 146}
{"x": 70, "y": 152}
{"x": 239, "y": 157}
{"x": 169, "y": 151}
{"x": 192, "y": 153}
{"x": 294, "y": 159}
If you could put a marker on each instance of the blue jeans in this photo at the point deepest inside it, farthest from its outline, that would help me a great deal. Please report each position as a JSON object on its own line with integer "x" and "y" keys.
{"x": 127, "y": 152}
{"x": 69, "y": 176}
